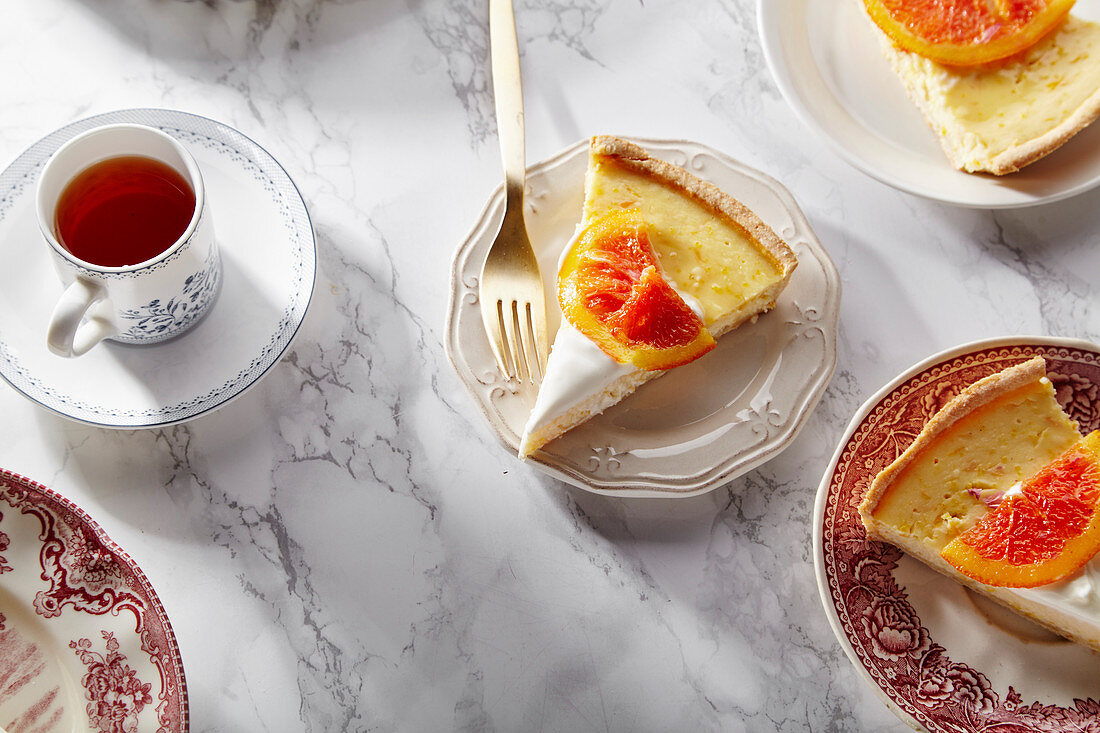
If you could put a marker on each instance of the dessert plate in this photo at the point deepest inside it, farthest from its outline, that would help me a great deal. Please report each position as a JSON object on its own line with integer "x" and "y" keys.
{"x": 826, "y": 60}
{"x": 84, "y": 641}
{"x": 702, "y": 424}
{"x": 269, "y": 264}
{"x": 939, "y": 655}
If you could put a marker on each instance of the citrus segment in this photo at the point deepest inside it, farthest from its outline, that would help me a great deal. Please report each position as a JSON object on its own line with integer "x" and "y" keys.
{"x": 1041, "y": 533}
{"x": 967, "y": 32}
{"x": 611, "y": 289}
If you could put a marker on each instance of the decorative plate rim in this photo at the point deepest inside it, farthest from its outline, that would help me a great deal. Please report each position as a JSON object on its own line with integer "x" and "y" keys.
{"x": 157, "y": 606}
{"x": 707, "y": 479}
{"x": 11, "y": 371}
{"x": 823, "y": 494}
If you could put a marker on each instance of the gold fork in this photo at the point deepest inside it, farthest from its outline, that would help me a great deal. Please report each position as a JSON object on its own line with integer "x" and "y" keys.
{"x": 513, "y": 307}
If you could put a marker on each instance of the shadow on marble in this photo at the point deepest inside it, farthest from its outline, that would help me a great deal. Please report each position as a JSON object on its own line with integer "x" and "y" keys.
{"x": 117, "y": 467}
{"x": 550, "y": 96}
{"x": 204, "y": 30}
{"x": 1058, "y": 225}
{"x": 237, "y": 292}
{"x": 650, "y": 519}
{"x": 131, "y": 471}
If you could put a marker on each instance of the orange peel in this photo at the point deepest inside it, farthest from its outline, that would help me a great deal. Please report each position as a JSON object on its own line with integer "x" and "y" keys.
{"x": 611, "y": 289}
{"x": 967, "y": 32}
{"x": 1041, "y": 534}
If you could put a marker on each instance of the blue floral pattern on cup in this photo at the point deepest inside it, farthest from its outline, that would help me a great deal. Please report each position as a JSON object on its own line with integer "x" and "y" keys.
{"x": 157, "y": 321}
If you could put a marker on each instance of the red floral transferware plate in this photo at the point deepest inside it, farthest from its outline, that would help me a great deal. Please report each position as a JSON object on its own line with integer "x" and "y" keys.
{"x": 85, "y": 643}
{"x": 942, "y": 657}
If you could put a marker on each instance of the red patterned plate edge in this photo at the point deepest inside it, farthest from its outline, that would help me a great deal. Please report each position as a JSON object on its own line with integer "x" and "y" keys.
{"x": 869, "y": 612}
{"x": 172, "y": 707}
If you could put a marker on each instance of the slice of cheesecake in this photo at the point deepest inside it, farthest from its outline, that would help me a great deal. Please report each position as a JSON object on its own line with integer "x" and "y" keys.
{"x": 999, "y": 117}
{"x": 996, "y": 433}
{"x": 725, "y": 262}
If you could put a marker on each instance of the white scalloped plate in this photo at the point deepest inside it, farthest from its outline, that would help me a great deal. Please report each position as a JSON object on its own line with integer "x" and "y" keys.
{"x": 826, "y": 60}
{"x": 700, "y": 425}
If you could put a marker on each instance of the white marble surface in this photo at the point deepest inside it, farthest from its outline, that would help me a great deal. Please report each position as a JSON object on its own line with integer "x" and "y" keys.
{"x": 347, "y": 546}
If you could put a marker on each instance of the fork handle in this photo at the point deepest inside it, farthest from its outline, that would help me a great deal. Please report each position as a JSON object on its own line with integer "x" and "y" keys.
{"x": 508, "y": 97}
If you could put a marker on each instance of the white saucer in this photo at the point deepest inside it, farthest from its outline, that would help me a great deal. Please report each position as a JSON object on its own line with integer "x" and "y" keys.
{"x": 85, "y": 644}
{"x": 827, "y": 63}
{"x": 269, "y": 259}
{"x": 702, "y": 424}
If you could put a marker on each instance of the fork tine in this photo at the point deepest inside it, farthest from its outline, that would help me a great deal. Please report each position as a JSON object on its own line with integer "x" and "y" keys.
{"x": 513, "y": 340}
{"x": 497, "y": 330}
{"x": 493, "y": 319}
{"x": 531, "y": 357}
{"x": 529, "y": 344}
{"x": 524, "y": 359}
{"x": 517, "y": 334}
{"x": 537, "y": 337}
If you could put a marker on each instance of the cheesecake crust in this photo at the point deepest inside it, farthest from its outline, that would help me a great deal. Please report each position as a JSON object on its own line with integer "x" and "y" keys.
{"x": 974, "y": 396}
{"x": 1020, "y": 155}
{"x": 634, "y": 157}
{"x": 950, "y": 133}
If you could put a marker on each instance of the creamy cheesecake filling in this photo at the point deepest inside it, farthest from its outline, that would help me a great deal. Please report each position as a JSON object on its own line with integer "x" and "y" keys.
{"x": 705, "y": 256}
{"x": 983, "y": 112}
{"x": 1010, "y": 104}
{"x": 987, "y": 451}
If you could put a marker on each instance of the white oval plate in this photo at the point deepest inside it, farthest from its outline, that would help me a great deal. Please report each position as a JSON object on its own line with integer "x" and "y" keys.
{"x": 269, "y": 262}
{"x": 85, "y": 644}
{"x": 700, "y": 425}
{"x": 826, "y": 61}
{"x": 941, "y": 657}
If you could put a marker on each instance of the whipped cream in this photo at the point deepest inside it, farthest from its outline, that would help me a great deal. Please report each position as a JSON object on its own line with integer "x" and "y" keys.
{"x": 577, "y": 369}
{"x": 1077, "y": 595}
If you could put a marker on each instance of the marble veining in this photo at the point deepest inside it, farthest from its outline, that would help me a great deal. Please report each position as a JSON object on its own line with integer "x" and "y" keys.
{"x": 347, "y": 546}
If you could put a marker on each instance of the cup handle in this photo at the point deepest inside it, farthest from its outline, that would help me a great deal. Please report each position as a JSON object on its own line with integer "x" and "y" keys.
{"x": 67, "y": 336}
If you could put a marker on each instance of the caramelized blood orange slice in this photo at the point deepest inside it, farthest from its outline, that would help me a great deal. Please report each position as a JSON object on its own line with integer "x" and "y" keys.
{"x": 1041, "y": 534}
{"x": 966, "y": 32}
{"x": 611, "y": 289}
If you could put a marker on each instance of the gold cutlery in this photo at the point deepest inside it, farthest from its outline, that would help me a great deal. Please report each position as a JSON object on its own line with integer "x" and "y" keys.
{"x": 513, "y": 307}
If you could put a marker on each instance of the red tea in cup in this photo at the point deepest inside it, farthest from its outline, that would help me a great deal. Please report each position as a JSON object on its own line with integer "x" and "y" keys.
{"x": 123, "y": 210}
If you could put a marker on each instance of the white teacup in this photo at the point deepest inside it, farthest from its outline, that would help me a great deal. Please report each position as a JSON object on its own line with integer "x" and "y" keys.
{"x": 142, "y": 303}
